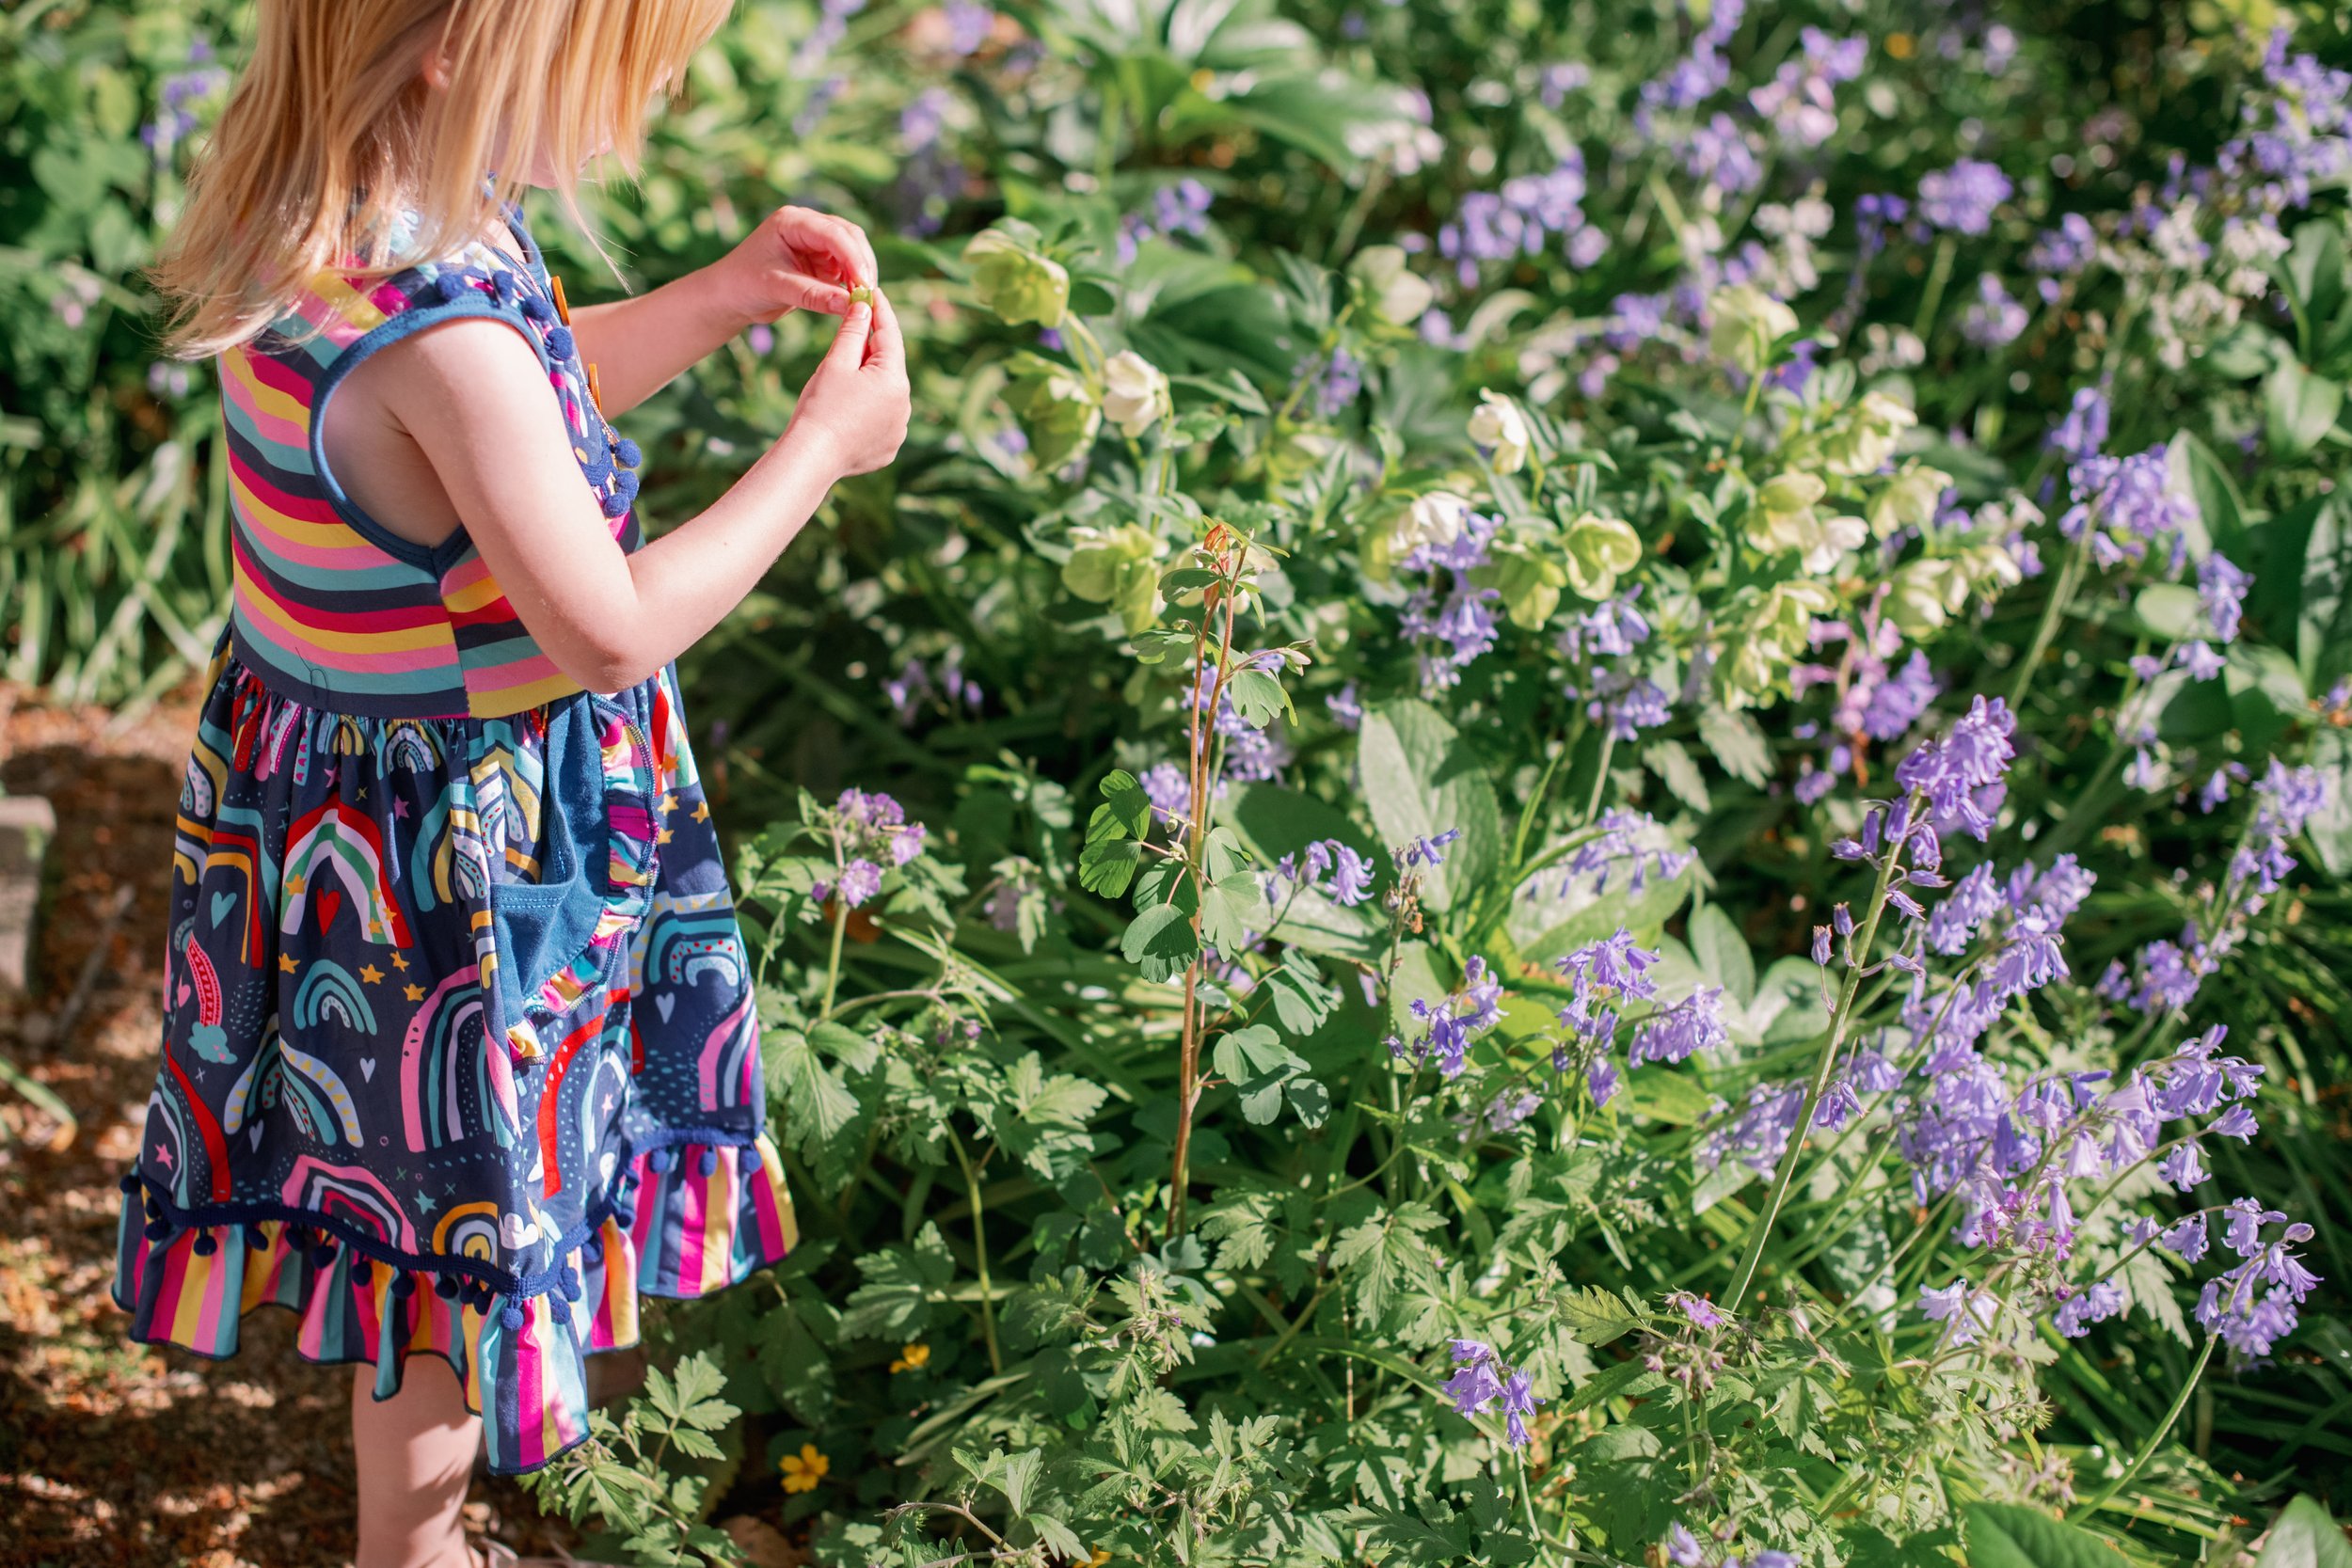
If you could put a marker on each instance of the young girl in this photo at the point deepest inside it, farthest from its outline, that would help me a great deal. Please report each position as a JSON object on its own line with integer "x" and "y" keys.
{"x": 460, "y": 1054}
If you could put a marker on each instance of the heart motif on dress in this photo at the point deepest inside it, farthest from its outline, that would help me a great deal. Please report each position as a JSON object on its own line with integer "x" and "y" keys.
{"x": 329, "y": 901}
{"x": 255, "y": 1130}
{"x": 367, "y": 1068}
{"x": 222, "y": 904}
{"x": 665, "y": 1004}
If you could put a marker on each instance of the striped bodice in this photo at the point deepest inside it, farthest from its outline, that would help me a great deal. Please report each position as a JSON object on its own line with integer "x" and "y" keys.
{"x": 332, "y": 608}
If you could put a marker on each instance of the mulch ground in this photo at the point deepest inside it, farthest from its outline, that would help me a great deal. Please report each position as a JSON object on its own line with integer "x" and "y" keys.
{"x": 114, "y": 1453}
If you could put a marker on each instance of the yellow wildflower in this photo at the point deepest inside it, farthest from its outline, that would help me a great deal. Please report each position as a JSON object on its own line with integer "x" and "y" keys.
{"x": 805, "y": 1469}
{"x": 911, "y": 1358}
{"x": 1100, "y": 1557}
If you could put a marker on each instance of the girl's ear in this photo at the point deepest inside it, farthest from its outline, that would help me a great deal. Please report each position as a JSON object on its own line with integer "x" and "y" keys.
{"x": 435, "y": 66}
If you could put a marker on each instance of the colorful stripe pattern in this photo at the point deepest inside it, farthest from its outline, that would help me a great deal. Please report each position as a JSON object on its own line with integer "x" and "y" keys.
{"x": 331, "y": 606}
{"x": 704, "y": 1216}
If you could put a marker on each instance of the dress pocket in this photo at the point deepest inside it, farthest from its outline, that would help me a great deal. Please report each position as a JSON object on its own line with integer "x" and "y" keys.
{"x": 561, "y": 935}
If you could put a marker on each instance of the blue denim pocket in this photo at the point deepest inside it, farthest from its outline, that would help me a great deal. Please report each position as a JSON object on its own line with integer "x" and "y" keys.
{"x": 560, "y": 935}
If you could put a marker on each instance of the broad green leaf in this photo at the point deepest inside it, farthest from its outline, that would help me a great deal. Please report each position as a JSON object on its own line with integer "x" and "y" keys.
{"x": 1127, "y": 803}
{"x": 2329, "y": 828}
{"x": 2005, "y": 1535}
{"x": 1257, "y": 697}
{"x": 2301, "y": 408}
{"x": 2305, "y": 1537}
{"x": 1418, "y": 781}
{"x": 1160, "y": 942}
{"x": 2173, "y": 612}
{"x": 1108, "y": 865}
{"x": 1722, "y": 953}
{"x": 1737, "y": 743}
{"x": 1671, "y": 762}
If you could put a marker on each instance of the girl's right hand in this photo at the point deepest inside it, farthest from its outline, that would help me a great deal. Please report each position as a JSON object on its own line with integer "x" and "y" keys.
{"x": 852, "y": 415}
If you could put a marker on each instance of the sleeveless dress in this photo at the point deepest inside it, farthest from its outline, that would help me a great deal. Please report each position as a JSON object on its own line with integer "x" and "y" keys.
{"x": 460, "y": 1049}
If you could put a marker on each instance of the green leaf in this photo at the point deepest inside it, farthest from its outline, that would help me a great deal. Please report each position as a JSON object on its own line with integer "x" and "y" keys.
{"x": 1127, "y": 803}
{"x": 1257, "y": 697}
{"x": 1722, "y": 953}
{"x": 2305, "y": 1537}
{"x": 1737, "y": 743}
{"x": 902, "y": 1285}
{"x": 2329, "y": 828}
{"x": 2005, "y": 1535}
{"x": 1593, "y": 1316}
{"x": 1418, "y": 781}
{"x": 1671, "y": 762}
{"x": 2171, "y": 611}
{"x": 2301, "y": 406}
{"x": 1160, "y": 942}
{"x": 1108, "y": 865}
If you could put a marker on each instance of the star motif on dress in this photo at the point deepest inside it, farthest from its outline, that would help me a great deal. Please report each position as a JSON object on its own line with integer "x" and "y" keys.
{"x": 414, "y": 992}
{"x": 662, "y": 836}
{"x": 163, "y": 1155}
{"x": 702, "y": 811}
{"x": 286, "y": 963}
{"x": 294, "y": 884}
{"x": 371, "y": 974}
{"x": 425, "y": 1202}
{"x": 399, "y": 963}
{"x": 400, "y": 807}
{"x": 669, "y": 801}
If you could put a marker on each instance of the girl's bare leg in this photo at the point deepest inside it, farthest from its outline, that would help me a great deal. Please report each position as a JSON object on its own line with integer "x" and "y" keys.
{"x": 416, "y": 1453}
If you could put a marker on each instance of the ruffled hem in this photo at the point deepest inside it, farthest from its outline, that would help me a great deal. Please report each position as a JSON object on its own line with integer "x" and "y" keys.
{"x": 696, "y": 1211}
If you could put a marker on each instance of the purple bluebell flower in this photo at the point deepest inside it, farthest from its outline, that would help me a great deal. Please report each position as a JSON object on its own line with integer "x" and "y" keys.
{"x": 1961, "y": 198}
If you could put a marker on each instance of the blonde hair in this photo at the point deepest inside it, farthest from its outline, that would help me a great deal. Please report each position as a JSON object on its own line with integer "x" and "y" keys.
{"x": 332, "y": 134}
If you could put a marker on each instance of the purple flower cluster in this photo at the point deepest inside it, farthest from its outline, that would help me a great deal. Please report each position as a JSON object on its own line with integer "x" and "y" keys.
{"x": 868, "y": 832}
{"x": 1459, "y": 628}
{"x": 176, "y": 118}
{"x": 1603, "y": 977}
{"x": 1801, "y": 99}
{"x": 950, "y": 689}
{"x": 1682, "y": 1549}
{"x": 2168, "y": 974}
{"x": 1450, "y": 1026}
{"x": 2127, "y": 508}
{"x": 1182, "y": 208}
{"x": 1482, "y": 1379}
{"x": 1616, "y": 845}
{"x": 1328, "y": 867}
{"x": 2299, "y": 134}
{"x": 1522, "y": 219}
{"x": 1960, "y": 198}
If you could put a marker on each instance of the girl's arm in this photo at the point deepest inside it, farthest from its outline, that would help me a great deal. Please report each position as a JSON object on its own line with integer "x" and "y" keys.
{"x": 472, "y": 396}
{"x": 795, "y": 260}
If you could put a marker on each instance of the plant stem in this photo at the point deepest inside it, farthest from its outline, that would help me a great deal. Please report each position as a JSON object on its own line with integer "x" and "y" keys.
{"x": 1939, "y": 275}
{"x": 2147, "y": 1449}
{"x": 2062, "y": 594}
{"x": 1601, "y": 778}
{"x": 833, "y": 960}
{"x": 979, "y": 1251}
{"x": 1840, "y": 1020}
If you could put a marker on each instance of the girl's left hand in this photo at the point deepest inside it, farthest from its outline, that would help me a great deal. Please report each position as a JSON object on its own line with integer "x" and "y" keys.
{"x": 799, "y": 259}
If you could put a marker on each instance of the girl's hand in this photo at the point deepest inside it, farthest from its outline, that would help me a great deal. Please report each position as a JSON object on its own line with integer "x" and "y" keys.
{"x": 799, "y": 259}
{"x": 852, "y": 414}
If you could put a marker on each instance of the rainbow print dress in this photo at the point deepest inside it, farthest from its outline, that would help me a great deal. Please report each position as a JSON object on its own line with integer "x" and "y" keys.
{"x": 460, "y": 1051}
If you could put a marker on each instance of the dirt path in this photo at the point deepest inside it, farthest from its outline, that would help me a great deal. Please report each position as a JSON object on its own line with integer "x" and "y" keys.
{"x": 114, "y": 1453}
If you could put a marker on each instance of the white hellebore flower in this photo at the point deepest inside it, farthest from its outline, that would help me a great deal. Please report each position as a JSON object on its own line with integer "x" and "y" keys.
{"x": 1498, "y": 425}
{"x": 1395, "y": 293}
{"x": 1435, "y": 519}
{"x": 1135, "y": 393}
